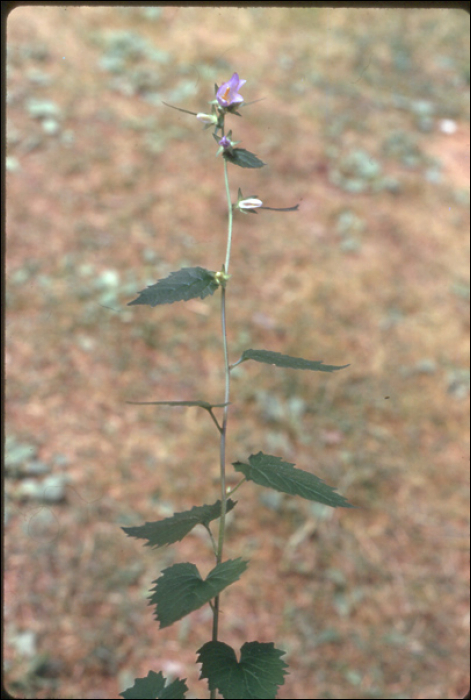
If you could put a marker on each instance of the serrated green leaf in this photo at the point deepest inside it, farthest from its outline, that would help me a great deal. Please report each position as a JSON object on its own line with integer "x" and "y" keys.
{"x": 243, "y": 158}
{"x": 274, "y": 473}
{"x": 174, "y": 529}
{"x": 276, "y": 358}
{"x": 187, "y": 283}
{"x": 180, "y": 589}
{"x": 258, "y": 674}
{"x": 202, "y": 404}
{"x": 153, "y": 687}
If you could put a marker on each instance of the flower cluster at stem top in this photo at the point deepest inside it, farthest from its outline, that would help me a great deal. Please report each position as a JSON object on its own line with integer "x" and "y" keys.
{"x": 227, "y": 99}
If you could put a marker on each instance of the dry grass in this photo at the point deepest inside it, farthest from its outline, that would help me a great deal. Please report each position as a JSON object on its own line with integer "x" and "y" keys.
{"x": 367, "y": 603}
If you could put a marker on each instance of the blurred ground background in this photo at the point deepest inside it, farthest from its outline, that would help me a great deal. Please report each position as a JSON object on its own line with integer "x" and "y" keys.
{"x": 365, "y": 122}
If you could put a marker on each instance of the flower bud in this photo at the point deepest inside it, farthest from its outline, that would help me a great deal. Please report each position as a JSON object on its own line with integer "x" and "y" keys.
{"x": 250, "y": 203}
{"x": 225, "y": 143}
{"x": 207, "y": 118}
{"x": 247, "y": 204}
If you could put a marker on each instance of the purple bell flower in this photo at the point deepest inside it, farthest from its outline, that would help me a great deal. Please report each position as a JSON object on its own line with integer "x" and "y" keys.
{"x": 228, "y": 93}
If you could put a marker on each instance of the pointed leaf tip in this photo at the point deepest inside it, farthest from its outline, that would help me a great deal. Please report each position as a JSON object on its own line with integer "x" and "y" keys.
{"x": 273, "y": 472}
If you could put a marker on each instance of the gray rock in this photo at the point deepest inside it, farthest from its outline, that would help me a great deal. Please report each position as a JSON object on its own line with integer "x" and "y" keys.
{"x": 36, "y": 468}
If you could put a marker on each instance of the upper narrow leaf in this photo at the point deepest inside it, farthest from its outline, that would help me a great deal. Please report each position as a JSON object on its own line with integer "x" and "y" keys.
{"x": 153, "y": 687}
{"x": 270, "y": 471}
{"x": 243, "y": 158}
{"x": 180, "y": 589}
{"x": 174, "y": 529}
{"x": 202, "y": 404}
{"x": 276, "y": 358}
{"x": 257, "y": 675}
{"x": 187, "y": 283}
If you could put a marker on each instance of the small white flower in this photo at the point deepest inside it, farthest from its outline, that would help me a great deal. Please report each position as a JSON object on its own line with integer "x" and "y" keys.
{"x": 250, "y": 203}
{"x": 247, "y": 204}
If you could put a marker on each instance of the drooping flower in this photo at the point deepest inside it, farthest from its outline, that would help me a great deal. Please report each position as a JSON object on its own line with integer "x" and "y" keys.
{"x": 228, "y": 93}
{"x": 215, "y": 119}
{"x": 247, "y": 205}
{"x": 250, "y": 203}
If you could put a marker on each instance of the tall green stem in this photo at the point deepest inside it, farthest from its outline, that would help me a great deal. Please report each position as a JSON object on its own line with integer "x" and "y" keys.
{"x": 229, "y": 225}
{"x": 222, "y": 448}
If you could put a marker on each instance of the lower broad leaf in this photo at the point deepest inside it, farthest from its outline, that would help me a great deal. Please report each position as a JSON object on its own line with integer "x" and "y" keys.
{"x": 180, "y": 589}
{"x": 153, "y": 687}
{"x": 258, "y": 674}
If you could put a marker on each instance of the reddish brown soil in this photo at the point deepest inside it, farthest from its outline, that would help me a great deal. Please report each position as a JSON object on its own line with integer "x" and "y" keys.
{"x": 372, "y": 602}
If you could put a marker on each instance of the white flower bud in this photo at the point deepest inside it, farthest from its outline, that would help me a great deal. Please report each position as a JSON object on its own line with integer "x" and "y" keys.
{"x": 207, "y": 118}
{"x": 250, "y": 203}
